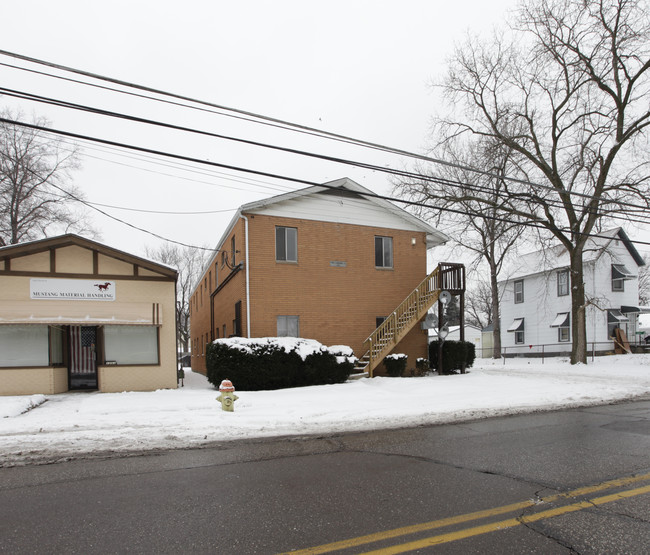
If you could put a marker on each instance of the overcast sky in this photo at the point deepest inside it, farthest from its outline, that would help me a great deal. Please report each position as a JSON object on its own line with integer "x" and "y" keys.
{"x": 357, "y": 68}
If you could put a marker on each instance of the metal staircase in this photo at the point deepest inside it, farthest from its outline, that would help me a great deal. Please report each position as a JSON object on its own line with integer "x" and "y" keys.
{"x": 447, "y": 276}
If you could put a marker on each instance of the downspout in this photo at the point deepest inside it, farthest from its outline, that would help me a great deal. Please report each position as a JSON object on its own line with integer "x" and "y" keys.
{"x": 248, "y": 295}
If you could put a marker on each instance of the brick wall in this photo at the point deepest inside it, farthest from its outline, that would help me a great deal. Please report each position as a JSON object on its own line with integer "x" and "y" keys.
{"x": 336, "y": 304}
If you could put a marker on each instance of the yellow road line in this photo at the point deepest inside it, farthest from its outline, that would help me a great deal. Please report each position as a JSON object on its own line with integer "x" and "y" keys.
{"x": 504, "y": 524}
{"x": 415, "y": 528}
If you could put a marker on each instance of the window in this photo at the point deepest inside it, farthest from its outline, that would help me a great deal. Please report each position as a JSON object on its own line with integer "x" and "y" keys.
{"x": 131, "y": 344}
{"x": 236, "y": 323}
{"x": 379, "y": 321}
{"x": 383, "y": 252}
{"x": 57, "y": 340}
{"x": 614, "y": 320}
{"x": 232, "y": 251}
{"x": 24, "y": 345}
{"x": 517, "y": 327}
{"x": 519, "y": 291}
{"x": 288, "y": 326}
{"x": 561, "y": 322}
{"x": 562, "y": 283}
{"x": 207, "y": 340}
{"x": 286, "y": 244}
{"x": 619, "y": 275}
{"x": 224, "y": 331}
{"x": 223, "y": 258}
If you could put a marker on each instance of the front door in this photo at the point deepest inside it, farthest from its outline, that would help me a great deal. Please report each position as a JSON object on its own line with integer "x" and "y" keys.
{"x": 82, "y": 371}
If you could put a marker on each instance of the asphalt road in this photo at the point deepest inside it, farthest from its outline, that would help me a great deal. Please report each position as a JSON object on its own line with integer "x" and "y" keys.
{"x": 573, "y": 481}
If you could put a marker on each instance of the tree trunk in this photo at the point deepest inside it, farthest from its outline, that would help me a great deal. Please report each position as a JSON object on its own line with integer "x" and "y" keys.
{"x": 578, "y": 327}
{"x": 496, "y": 320}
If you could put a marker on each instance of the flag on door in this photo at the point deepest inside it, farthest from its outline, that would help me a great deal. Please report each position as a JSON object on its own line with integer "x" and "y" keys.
{"x": 82, "y": 349}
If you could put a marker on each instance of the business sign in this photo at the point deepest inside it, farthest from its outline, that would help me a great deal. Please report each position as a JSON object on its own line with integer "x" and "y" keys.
{"x": 71, "y": 290}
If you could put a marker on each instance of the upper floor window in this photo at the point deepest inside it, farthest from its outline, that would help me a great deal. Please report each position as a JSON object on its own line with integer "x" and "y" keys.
{"x": 562, "y": 283}
{"x": 232, "y": 251}
{"x": 286, "y": 244}
{"x": 619, "y": 274}
{"x": 384, "y": 252}
{"x": 519, "y": 291}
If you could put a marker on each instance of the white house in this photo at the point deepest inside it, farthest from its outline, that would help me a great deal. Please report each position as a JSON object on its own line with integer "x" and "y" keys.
{"x": 536, "y": 301}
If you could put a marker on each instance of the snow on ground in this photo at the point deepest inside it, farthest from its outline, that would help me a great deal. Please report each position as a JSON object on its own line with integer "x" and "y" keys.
{"x": 39, "y": 428}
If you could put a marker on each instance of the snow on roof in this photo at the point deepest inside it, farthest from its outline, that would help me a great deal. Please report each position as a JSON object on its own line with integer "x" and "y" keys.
{"x": 557, "y": 257}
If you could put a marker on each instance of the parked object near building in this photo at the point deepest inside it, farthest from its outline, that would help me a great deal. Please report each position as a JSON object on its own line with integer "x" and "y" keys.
{"x": 76, "y": 314}
{"x": 329, "y": 262}
{"x": 536, "y": 302}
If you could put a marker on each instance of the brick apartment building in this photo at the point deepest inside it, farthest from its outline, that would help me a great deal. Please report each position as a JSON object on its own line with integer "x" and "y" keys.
{"x": 325, "y": 263}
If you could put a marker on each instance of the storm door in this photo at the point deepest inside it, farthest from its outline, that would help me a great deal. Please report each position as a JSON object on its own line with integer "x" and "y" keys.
{"x": 82, "y": 370}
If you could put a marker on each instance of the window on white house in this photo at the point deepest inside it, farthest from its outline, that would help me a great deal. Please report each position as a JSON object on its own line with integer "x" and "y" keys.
{"x": 286, "y": 244}
{"x": 614, "y": 320}
{"x": 517, "y": 327}
{"x": 562, "y": 323}
{"x": 24, "y": 345}
{"x": 288, "y": 326}
{"x": 384, "y": 252}
{"x": 519, "y": 291}
{"x": 131, "y": 344}
{"x": 562, "y": 283}
{"x": 619, "y": 275}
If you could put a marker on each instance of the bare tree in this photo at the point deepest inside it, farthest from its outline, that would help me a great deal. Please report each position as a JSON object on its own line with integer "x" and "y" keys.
{"x": 469, "y": 206}
{"x": 35, "y": 190}
{"x": 189, "y": 262}
{"x": 644, "y": 283}
{"x": 568, "y": 92}
{"x": 478, "y": 303}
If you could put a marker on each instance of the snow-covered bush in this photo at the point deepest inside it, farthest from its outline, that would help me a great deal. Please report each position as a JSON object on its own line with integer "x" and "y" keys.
{"x": 395, "y": 364}
{"x": 274, "y": 363}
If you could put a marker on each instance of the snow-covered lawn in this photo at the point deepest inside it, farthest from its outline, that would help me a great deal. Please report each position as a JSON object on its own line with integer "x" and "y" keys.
{"x": 38, "y": 427}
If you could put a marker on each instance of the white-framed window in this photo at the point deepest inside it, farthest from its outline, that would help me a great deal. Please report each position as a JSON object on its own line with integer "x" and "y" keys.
{"x": 131, "y": 344}
{"x": 26, "y": 345}
{"x": 615, "y": 319}
{"x": 288, "y": 326}
{"x": 517, "y": 327}
{"x": 519, "y": 291}
{"x": 562, "y": 283}
{"x": 619, "y": 275}
{"x": 562, "y": 323}
{"x": 383, "y": 252}
{"x": 286, "y": 244}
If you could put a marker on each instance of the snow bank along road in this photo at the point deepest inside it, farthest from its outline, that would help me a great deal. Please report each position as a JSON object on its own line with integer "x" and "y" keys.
{"x": 41, "y": 428}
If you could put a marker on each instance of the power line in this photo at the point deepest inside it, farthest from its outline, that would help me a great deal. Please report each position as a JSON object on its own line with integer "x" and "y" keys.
{"x": 309, "y": 183}
{"x": 402, "y": 173}
{"x": 286, "y": 124}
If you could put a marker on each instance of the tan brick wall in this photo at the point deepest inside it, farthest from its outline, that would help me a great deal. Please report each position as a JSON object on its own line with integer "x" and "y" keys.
{"x": 114, "y": 379}
{"x": 27, "y": 381}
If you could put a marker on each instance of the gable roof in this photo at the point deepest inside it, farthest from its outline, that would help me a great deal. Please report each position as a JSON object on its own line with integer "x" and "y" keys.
{"x": 343, "y": 187}
{"x": 557, "y": 257}
{"x": 70, "y": 239}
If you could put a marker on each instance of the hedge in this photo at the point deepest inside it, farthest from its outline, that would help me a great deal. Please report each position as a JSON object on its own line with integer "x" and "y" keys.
{"x": 275, "y": 363}
{"x": 454, "y": 355}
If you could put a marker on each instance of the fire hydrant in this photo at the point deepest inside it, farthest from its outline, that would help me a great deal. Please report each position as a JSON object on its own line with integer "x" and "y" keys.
{"x": 227, "y": 397}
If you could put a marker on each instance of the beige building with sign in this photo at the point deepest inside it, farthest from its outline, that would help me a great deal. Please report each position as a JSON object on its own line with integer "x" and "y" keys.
{"x": 78, "y": 315}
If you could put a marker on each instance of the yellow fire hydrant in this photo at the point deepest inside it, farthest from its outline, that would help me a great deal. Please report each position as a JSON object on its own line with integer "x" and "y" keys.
{"x": 227, "y": 397}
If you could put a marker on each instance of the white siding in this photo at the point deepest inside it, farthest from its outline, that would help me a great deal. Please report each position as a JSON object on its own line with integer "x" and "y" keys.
{"x": 337, "y": 209}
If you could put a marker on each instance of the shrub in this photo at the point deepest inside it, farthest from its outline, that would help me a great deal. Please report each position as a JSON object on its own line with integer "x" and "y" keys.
{"x": 456, "y": 356}
{"x": 395, "y": 365}
{"x": 275, "y": 363}
{"x": 421, "y": 367}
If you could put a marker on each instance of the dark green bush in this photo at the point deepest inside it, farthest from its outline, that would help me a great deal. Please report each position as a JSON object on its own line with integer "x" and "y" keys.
{"x": 456, "y": 356}
{"x": 266, "y": 365}
{"x": 395, "y": 365}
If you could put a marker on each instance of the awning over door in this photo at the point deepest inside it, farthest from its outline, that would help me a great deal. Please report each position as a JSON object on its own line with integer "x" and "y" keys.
{"x": 561, "y": 320}
{"x": 517, "y": 325}
{"x": 64, "y": 312}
